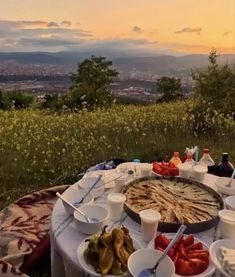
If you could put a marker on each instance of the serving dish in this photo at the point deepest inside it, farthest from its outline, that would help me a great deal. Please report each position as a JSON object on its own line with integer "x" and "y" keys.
{"x": 174, "y": 226}
{"x": 210, "y": 269}
{"x": 89, "y": 268}
{"x": 108, "y": 176}
{"x": 221, "y": 183}
{"x": 215, "y": 255}
{"x": 87, "y": 183}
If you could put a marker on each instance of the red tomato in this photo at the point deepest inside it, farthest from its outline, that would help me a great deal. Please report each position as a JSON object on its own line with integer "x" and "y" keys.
{"x": 157, "y": 168}
{"x": 195, "y": 246}
{"x": 181, "y": 251}
{"x": 172, "y": 165}
{"x": 166, "y": 172}
{"x": 183, "y": 268}
{"x": 188, "y": 241}
{"x": 161, "y": 241}
{"x": 198, "y": 265}
{"x": 202, "y": 255}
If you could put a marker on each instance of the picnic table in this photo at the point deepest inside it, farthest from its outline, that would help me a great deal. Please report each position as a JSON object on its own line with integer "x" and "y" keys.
{"x": 65, "y": 238}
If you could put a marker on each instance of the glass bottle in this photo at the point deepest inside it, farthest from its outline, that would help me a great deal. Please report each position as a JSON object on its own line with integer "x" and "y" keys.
{"x": 206, "y": 160}
{"x": 189, "y": 160}
{"x": 176, "y": 159}
{"x": 225, "y": 168}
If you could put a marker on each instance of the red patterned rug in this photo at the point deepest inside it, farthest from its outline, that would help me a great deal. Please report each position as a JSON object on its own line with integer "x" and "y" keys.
{"x": 24, "y": 231}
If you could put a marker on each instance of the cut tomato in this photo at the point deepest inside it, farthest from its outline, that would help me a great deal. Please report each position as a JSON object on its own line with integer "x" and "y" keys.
{"x": 198, "y": 265}
{"x": 195, "y": 246}
{"x": 181, "y": 251}
{"x": 203, "y": 255}
{"x": 161, "y": 241}
{"x": 188, "y": 241}
{"x": 183, "y": 268}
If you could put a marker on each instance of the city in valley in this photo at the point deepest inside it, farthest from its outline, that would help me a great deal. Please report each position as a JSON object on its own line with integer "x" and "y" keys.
{"x": 48, "y": 73}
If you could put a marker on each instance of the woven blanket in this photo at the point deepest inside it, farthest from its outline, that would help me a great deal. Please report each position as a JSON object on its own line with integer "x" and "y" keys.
{"x": 24, "y": 231}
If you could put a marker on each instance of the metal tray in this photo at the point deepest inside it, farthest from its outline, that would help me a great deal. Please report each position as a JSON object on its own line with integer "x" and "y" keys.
{"x": 173, "y": 227}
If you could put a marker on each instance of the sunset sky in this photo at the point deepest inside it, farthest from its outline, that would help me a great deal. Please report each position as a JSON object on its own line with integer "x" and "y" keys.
{"x": 135, "y": 26}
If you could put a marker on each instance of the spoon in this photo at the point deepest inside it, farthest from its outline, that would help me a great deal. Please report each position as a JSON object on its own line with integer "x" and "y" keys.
{"x": 230, "y": 181}
{"x": 76, "y": 209}
{"x": 90, "y": 189}
{"x": 150, "y": 272}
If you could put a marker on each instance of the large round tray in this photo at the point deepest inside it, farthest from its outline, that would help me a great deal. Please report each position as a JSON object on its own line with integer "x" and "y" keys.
{"x": 173, "y": 227}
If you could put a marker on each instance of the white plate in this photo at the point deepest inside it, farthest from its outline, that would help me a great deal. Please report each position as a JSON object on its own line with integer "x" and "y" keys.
{"x": 89, "y": 268}
{"x": 221, "y": 185}
{"x": 136, "y": 167}
{"x": 210, "y": 269}
{"x": 86, "y": 183}
{"x": 214, "y": 252}
{"x": 108, "y": 176}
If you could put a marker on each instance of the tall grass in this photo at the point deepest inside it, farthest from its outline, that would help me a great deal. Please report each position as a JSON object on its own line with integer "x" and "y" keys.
{"x": 40, "y": 148}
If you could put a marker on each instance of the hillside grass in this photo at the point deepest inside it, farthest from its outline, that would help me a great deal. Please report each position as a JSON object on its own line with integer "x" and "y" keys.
{"x": 39, "y": 148}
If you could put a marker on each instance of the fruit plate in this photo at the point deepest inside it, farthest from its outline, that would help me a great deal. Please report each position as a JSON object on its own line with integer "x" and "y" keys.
{"x": 170, "y": 227}
{"x": 89, "y": 268}
{"x": 214, "y": 252}
{"x": 210, "y": 269}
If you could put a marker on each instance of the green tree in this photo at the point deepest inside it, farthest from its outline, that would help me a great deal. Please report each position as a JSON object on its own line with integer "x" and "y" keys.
{"x": 20, "y": 99}
{"x": 169, "y": 88}
{"x": 215, "y": 85}
{"x": 91, "y": 83}
{"x": 4, "y": 101}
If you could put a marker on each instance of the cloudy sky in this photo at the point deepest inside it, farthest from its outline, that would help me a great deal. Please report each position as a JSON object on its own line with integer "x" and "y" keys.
{"x": 134, "y": 26}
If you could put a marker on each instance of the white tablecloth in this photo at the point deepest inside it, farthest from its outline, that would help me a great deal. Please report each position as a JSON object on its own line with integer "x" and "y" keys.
{"x": 65, "y": 238}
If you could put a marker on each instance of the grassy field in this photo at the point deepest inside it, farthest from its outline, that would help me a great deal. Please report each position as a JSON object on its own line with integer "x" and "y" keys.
{"x": 39, "y": 149}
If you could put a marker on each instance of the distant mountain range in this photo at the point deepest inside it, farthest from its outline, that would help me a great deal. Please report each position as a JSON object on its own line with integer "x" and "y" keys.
{"x": 157, "y": 64}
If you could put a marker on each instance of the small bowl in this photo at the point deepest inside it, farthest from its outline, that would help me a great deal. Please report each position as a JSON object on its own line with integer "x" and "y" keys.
{"x": 185, "y": 170}
{"x": 214, "y": 252}
{"x": 221, "y": 185}
{"x": 87, "y": 182}
{"x": 230, "y": 202}
{"x": 74, "y": 196}
{"x": 199, "y": 173}
{"x": 93, "y": 212}
{"x": 146, "y": 258}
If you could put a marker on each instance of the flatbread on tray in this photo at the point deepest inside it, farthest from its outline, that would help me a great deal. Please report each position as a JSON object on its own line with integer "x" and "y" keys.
{"x": 178, "y": 202}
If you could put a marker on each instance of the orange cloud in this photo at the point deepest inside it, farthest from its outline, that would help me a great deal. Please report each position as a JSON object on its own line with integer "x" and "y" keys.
{"x": 226, "y": 33}
{"x": 189, "y": 30}
{"x": 33, "y": 23}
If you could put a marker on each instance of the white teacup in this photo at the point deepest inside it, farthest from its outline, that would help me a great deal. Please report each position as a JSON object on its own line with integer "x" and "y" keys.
{"x": 149, "y": 223}
{"x": 185, "y": 170}
{"x": 199, "y": 172}
{"x": 116, "y": 202}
